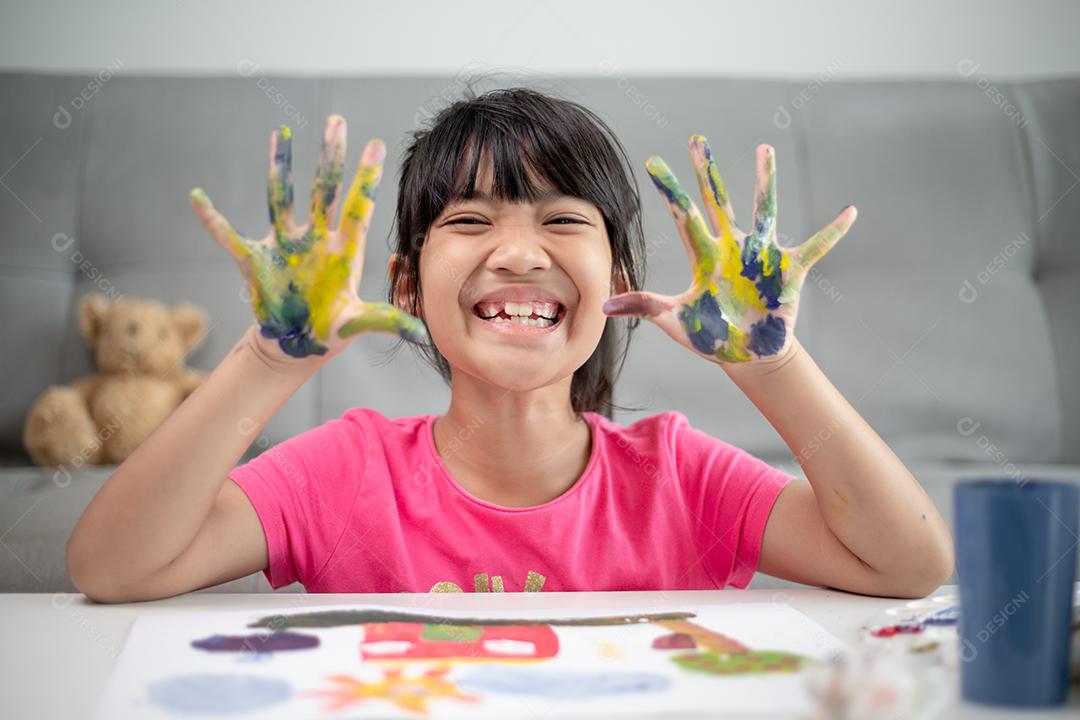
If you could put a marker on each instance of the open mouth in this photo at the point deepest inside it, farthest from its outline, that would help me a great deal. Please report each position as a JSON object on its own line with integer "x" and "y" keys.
{"x": 540, "y": 315}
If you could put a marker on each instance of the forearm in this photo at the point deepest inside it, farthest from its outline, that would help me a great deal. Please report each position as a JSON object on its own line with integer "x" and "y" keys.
{"x": 154, "y": 504}
{"x": 865, "y": 494}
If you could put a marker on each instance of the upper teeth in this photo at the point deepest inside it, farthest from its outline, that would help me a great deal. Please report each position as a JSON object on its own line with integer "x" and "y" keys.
{"x": 514, "y": 309}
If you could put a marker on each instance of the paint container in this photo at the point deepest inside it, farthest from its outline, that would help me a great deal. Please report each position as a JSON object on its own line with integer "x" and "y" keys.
{"x": 1016, "y": 561}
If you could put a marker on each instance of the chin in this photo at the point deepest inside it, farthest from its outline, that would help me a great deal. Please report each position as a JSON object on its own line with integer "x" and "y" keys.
{"x": 519, "y": 376}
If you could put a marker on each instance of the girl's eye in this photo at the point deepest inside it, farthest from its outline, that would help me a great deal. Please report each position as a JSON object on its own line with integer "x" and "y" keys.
{"x": 564, "y": 220}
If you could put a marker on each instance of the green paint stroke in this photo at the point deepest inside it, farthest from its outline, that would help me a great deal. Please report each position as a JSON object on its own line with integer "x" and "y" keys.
{"x": 757, "y": 662}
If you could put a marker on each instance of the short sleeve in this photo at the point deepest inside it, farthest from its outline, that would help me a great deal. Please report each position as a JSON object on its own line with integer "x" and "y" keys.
{"x": 304, "y": 490}
{"x": 728, "y": 494}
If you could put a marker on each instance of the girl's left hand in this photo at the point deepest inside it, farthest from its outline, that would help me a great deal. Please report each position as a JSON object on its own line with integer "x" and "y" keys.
{"x": 742, "y": 302}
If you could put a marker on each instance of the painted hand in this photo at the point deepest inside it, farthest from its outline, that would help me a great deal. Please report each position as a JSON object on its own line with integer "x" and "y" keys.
{"x": 303, "y": 280}
{"x": 742, "y": 302}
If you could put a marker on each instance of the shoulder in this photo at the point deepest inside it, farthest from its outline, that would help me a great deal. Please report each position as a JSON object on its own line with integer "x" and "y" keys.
{"x": 671, "y": 442}
{"x": 372, "y": 421}
{"x": 393, "y": 435}
{"x": 662, "y": 429}
{"x": 648, "y": 442}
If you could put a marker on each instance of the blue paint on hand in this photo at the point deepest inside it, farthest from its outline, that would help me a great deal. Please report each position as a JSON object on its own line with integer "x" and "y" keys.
{"x": 767, "y": 336}
{"x": 704, "y": 323}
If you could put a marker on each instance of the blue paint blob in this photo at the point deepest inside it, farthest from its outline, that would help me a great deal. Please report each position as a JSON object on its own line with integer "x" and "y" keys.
{"x": 945, "y": 616}
{"x": 292, "y": 329}
{"x": 767, "y": 335}
{"x": 218, "y": 694}
{"x": 560, "y": 683}
{"x": 713, "y": 327}
{"x": 769, "y": 285}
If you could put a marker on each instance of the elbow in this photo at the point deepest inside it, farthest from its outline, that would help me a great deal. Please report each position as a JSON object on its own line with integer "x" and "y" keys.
{"x": 88, "y": 579}
{"x": 932, "y": 568}
{"x": 939, "y": 562}
{"x": 79, "y": 571}
{"x": 925, "y": 582}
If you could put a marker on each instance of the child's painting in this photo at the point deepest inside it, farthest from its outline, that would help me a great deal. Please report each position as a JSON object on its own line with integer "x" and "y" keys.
{"x": 356, "y": 661}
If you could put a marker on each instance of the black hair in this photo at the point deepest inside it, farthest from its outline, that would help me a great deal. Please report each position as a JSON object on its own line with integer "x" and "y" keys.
{"x": 561, "y": 142}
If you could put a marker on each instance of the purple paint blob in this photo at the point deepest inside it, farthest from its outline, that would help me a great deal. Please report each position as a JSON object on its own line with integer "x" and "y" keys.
{"x": 257, "y": 642}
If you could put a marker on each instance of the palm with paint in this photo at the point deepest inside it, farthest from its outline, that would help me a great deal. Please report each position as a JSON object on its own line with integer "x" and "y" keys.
{"x": 744, "y": 297}
{"x": 303, "y": 280}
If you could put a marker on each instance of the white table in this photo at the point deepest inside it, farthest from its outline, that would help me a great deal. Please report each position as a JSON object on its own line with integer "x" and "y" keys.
{"x": 69, "y": 645}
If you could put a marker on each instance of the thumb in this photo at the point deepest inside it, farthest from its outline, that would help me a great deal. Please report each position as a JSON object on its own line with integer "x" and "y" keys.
{"x": 659, "y": 309}
{"x": 638, "y": 303}
{"x": 384, "y": 317}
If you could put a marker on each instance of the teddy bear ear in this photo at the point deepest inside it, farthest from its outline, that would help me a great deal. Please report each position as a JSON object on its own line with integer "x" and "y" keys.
{"x": 92, "y": 311}
{"x": 190, "y": 322}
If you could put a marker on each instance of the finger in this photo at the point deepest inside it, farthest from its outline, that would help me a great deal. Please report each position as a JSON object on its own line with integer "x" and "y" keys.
{"x": 359, "y": 205}
{"x": 765, "y": 195}
{"x": 659, "y": 309}
{"x": 823, "y": 240}
{"x": 328, "y": 176}
{"x": 384, "y": 317}
{"x": 279, "y": 191}
{"x": 695, "y": 234}
{"x": 713, "y": 191}
{"x": 638, "y": 304}
{"x": 218, "y": 227}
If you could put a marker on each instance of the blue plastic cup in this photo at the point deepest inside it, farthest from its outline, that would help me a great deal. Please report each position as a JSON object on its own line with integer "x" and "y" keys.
{"x": 1016, "y": 562}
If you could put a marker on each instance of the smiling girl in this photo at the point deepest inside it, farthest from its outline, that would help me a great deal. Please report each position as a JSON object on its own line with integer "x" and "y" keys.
{"x": 519, "y": 245}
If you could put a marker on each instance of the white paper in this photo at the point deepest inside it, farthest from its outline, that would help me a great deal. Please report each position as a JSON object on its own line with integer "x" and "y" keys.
{"x": 595, "y": 670}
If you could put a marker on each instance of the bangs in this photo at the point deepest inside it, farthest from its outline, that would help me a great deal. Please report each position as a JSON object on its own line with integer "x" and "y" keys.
{"x": 531, "y": 156}
{"x": 520, "y": 170}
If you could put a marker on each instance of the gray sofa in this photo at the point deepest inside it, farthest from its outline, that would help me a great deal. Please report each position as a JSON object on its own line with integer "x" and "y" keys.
{"x": 948, "y": 315}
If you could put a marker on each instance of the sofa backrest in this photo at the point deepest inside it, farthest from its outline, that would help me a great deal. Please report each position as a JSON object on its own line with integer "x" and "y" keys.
{"x": 948, "y": 315}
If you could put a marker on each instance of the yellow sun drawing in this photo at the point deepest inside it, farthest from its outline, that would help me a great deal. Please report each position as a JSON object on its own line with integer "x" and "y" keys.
{"x": 408, "y": 693}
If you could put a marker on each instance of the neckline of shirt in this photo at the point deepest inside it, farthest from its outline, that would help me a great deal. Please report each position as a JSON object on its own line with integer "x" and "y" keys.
{"x": 593, "y": 421}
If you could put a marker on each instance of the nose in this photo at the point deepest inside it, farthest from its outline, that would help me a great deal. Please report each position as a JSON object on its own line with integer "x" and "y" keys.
{"x": 518, "y": 251}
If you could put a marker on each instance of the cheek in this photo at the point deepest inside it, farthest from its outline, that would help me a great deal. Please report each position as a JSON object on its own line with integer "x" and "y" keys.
{"x": 590, "y": 272}
{"x": 442, "y": 277}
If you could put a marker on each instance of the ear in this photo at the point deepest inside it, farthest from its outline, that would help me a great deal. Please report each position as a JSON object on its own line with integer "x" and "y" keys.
{"x": 620, "y": 284}
{"x": 92, "y": 311}
{"x": 404, "y": 291}
{"x": 190, "y": 323}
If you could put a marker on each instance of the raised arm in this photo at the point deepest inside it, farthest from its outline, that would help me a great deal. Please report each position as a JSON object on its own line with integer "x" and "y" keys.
{"x": 167, "y": 521}
{"x": 862, "y": 522}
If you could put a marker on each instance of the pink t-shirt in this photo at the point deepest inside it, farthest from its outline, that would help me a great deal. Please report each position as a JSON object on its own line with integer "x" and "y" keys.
{"x": 364, "y": 504}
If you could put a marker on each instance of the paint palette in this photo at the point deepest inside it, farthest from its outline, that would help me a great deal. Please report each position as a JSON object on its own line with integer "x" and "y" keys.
{"x": 380, "y": 661}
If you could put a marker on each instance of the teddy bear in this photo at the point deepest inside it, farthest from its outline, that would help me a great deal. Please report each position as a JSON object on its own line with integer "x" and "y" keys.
{"x": 139, "y": 346}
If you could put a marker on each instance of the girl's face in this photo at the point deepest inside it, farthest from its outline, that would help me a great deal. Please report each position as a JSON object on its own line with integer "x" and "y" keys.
{"x": 482, "y": 249}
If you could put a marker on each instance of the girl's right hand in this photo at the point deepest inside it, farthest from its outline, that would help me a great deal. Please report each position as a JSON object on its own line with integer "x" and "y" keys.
{"x": 303, "y": 280}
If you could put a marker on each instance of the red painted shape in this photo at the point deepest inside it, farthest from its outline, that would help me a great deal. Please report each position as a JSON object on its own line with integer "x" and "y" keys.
{"x": 890, "y": 630}
{"x": 674, "y": 641}
{"x": 543, "y": 638}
